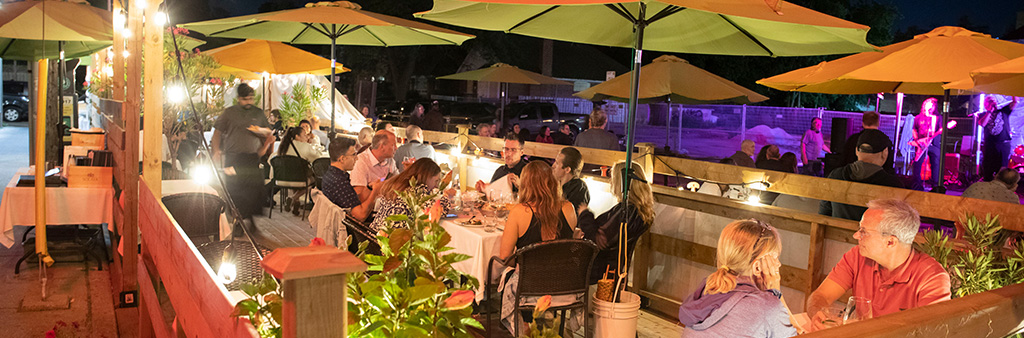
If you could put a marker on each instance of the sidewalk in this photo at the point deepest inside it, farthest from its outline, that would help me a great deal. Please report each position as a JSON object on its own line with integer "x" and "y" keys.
{"x": 77, "y": 294}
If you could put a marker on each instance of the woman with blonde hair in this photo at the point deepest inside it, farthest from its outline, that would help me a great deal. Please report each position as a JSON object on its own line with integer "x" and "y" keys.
{"x": 741, "y": 298}
{"x": 605, "y": 229}
{"x": 541, "y": 215}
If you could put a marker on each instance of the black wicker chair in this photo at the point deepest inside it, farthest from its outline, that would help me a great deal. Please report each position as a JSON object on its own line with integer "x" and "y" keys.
{"x": 289, "y": 172}
{"x": 320, "y": 167}
{"x": 558, "y": 267}
{"x": 198, "y": 214}
{"x": 360, "y": 233}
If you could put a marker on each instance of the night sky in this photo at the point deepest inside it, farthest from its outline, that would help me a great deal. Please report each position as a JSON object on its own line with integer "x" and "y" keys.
{"x": 999, "y": 15}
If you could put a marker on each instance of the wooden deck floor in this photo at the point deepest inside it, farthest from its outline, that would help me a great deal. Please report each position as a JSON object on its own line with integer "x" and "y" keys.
{"x": 287, "y": 230}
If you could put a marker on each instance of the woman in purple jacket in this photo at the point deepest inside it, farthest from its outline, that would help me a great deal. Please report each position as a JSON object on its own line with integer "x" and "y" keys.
{"x": 742, "y": 297}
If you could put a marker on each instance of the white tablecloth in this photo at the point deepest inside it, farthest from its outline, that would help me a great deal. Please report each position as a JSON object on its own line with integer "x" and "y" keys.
{"x": 63, "y": 206}
{"x": 173, "y": 187}
{"x": 477, "y": 243}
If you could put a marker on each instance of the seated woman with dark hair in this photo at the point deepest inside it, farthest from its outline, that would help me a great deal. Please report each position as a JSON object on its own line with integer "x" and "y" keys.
{"x": 541, "y": 215}
{"x": 292, "y": 146}
{"x": 427, "y": 175}
{"x": 604, "y": 230}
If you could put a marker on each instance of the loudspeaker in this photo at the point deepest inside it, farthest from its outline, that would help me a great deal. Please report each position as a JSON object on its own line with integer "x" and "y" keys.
{"x": 841, "y": 130}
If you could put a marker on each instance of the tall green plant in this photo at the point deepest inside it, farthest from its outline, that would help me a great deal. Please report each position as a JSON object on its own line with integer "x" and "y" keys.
{"x": 980, "y": 265}
{"x": 262, "y": 307}
{"x": 299, "y": 104}
{"x": 411, "y": 289}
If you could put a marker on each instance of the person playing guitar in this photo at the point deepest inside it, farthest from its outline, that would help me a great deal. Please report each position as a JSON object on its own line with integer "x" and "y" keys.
{"x": 926, "y": 130}
{"x": 995, "y": 139}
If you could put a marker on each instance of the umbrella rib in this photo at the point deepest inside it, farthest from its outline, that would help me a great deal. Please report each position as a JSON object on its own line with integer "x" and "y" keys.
{"x": 664, "y": 13}
{"x": 436, "y": 37}
{"x": 532, "y": 17}
{"x": 618, "y": 9}
{"x": 8, "y": 46}
{"x": 371, "y": 34}
{"x": 749, "y": 36}
{"x": 353, "y": 30}
{"x": 303, "y": 31}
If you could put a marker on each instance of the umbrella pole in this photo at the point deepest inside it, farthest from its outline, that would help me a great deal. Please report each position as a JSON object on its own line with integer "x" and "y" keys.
{"x": 634, "y": 91}
{"x": 501, "y": 94}
{"x": 334, "y": 38}
{"x": 941, "y": 187}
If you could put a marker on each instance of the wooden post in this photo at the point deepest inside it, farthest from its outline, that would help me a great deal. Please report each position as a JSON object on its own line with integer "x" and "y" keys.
{"x": 117, "y": 62}
{"x": 461, "y": 161}
{"x": 315, "y": 291}
{"x": 646, "y": 159}
{"x": 154, "y": 110}
{"x": 814, "y": 257}
{"x": 130, "y": 188}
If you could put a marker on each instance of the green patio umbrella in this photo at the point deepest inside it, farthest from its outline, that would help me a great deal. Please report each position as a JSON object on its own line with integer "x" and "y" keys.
{"x": 505, "y": 74}
{"x": 334, "y": 23}
{"x": 725, "y": 27}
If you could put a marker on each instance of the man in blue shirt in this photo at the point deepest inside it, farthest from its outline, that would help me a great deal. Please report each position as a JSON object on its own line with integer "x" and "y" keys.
{"x": 336, "y": 183}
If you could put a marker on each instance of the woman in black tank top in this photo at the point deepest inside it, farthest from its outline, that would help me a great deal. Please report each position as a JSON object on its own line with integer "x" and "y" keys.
{"x": 541, "y": 215}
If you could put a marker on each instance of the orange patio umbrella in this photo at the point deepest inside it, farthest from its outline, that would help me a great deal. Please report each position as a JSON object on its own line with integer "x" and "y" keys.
{"x": 672, "y": 79}
{"x": 1005, "y": 78}
{"x": 921, "y": 65}
{"x": 272, "y": 57}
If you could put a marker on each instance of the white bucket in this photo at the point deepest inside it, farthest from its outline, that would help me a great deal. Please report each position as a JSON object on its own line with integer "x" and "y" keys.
{"x": 616, "y": 319}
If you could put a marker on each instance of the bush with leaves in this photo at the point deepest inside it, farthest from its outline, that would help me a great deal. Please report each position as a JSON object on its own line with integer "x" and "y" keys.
{"x": 262, "y": 307}
{"x": 980, "y": 264}
{"x": 411, "y": 289}
{"x": 544, "y": 324}
{"x": 298, "y": 104}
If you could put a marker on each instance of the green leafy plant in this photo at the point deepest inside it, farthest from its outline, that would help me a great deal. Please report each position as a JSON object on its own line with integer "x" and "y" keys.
{"x": 298, "y": 104}
{"x": 979, "y": 263}
{"x": 411, "y": 289}
{"x": 545, "y": 324}
{"x": 262, "y": 307}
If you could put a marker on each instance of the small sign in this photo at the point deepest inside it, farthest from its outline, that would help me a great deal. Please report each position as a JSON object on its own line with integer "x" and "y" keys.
{"x": 609, "y": 75}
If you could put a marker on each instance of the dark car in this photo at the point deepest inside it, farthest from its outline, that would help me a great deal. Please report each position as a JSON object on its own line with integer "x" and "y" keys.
{"x": 455, "y": 113}
{"x": 534, "y": 115}
{"x": 15, "y": 107}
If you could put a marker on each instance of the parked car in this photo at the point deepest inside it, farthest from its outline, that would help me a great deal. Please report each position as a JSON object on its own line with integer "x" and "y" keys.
{"x": 15, "y": 107}
{"x": 455, "y": 113}
{"x": 534, "y": 115}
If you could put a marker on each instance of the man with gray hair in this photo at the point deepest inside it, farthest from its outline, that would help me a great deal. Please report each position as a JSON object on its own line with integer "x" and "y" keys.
{"x": 414, "y": 148}
{"x": 1002, "y": 188}
{"x": 742, "y": 157}
{"x": 884, "y": 267}
{"x": 374, "y": 164}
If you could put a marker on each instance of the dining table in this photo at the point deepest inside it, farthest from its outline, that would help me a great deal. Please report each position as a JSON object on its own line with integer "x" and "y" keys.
{"x": 64, "y": 206}
{"x": 475, "y": 241}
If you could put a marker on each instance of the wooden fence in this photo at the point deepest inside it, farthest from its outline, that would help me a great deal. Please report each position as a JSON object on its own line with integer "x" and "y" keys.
{"x": 827, "y": 237}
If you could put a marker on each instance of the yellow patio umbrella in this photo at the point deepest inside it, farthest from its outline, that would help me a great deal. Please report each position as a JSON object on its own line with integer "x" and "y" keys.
{"x": 505, "y": 74}
{"x": 1005, "y": 78}
{"x": 672, "y": 79}
{"x": 333, "y": 23}
{"x": 42, "y": 22}
{"x": 724, "y": 27}
{"x": 921, "y": 65}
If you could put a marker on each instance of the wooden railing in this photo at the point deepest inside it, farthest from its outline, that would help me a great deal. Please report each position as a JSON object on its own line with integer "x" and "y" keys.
{"x": 827, "y": 237}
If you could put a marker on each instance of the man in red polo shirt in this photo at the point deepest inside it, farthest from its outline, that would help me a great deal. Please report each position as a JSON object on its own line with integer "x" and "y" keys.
{"x": 884, "y": 268}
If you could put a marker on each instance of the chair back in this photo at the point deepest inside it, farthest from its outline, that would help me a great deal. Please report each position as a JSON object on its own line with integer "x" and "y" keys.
{"x": 361, "y": 233}
{"x": 320, "y": 167}
{"x": 555, "y": 267}
{"x": 288, "y": 168}
{"x": 197, "y": 213}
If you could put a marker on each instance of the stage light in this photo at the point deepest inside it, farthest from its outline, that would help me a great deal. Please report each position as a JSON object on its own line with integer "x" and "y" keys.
{"x": 951, "y": 124}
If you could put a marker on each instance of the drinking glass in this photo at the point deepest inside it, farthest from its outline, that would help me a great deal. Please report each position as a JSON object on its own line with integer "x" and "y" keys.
{"x": 857, "y": 308}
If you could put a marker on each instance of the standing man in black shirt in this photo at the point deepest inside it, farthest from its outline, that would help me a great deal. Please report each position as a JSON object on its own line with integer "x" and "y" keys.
{"x": 241, "y": 135}
{"x": 566, "y": 169}
{"x": 512, "y": 153}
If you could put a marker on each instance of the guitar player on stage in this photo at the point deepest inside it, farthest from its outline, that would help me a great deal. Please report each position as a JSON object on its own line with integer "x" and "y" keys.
{"x": 995, "y": 144}
{"x": 926, "y": 143}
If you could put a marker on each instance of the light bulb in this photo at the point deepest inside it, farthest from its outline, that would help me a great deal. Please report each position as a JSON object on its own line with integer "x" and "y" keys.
{"x": 126, "y": 54}
{"x": 160, "y": 19}
{"x": 201, "y": 174}
{"x": 126, "y": 33}
{"x": 227, "y": 272}
{"x": 176, "y": 94}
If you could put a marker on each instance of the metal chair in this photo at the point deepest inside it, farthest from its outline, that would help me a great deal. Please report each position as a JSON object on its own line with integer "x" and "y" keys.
{"x": 320, "y": 167}
{"x": 558, "y": 267}
{"x": 247, "y": 262}
{"x": 197, "y": 213}
{"x": 289, "y": 172}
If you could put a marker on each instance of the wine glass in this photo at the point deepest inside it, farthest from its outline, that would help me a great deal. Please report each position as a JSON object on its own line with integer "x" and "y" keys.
{"x": 857, "y": 308}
